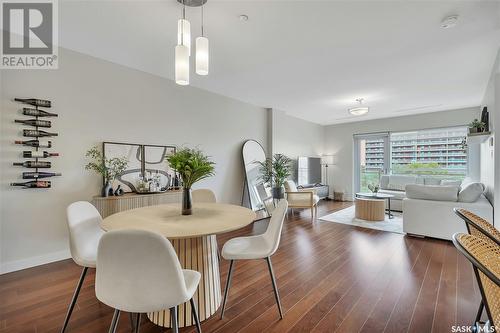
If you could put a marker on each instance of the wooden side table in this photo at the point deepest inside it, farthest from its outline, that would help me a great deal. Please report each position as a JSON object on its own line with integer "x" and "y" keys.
{"x": 370, "y": 209}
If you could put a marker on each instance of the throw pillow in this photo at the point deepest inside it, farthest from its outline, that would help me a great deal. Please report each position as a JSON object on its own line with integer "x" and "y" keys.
{"x": 471, "y": 192}
{"x": 396, "y": 187}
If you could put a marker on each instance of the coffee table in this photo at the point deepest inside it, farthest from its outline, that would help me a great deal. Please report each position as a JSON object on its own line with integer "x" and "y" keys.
{"x": 383, "y": 196}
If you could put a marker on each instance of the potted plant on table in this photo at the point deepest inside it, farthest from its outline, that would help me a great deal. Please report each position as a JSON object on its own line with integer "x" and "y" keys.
{"x": 109, "y": 168}
{"x": 275, "y": 171}
{"x": 476, "y": 126}
{"x": 192, "y": 166}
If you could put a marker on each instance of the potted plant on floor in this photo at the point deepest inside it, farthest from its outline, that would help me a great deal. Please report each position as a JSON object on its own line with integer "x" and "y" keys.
{"x": 109, "y": 168}
{"x": 192, "y": 166}
{"x": 275, "y": 171}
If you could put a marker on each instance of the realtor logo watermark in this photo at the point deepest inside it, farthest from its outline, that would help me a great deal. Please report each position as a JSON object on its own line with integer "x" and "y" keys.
{"x": 30, "y": 34}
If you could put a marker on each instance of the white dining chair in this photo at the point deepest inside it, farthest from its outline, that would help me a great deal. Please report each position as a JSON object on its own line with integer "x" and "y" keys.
{"x": 257, "y": 247}
{"x": 204, "y": 195}
{"x": 138, "y": 272}
{"x": 84, "y": 235}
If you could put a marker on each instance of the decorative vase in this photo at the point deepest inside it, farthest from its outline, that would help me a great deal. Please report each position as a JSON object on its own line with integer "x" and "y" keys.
{"x": 278, "y": 192}
{"x": 187, "y": 204}
{"x": 106, "y": 189}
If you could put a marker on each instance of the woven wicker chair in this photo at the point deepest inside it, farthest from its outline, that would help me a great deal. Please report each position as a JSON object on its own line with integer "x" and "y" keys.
{"x": 479, "y": 227}
{"x": 485, "y": 259}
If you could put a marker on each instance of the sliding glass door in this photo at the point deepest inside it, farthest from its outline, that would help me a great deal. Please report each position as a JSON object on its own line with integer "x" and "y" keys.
{"x": 371, "y": 159}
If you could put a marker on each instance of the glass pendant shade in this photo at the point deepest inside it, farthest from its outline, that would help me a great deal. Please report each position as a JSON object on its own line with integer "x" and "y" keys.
{"x": 182, "y": 65}
{"x": 184, "y": 33}
{"x": 202, "y": 56}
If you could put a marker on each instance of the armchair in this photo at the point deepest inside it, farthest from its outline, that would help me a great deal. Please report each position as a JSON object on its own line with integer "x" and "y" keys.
{"x": 301, "y": 198}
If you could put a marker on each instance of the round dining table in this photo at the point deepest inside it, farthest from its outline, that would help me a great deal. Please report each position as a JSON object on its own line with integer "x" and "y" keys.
{"x": 193, "y": 238}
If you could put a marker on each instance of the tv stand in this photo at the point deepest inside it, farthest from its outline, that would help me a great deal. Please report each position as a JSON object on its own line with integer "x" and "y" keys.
{"x": 321, "y": 190}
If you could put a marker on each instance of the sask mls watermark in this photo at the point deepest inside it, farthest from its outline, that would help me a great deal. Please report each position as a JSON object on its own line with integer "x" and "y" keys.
{"x": 30, "y": 34}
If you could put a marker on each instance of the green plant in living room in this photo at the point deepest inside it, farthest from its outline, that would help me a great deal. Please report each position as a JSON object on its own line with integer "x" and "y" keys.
{"x": 476, "y": 126}
{"x": 374, "y": 188}
{"x": 108, "y": 168}
{"x": 275, "y": 171}
{"x": 192, "y": 165}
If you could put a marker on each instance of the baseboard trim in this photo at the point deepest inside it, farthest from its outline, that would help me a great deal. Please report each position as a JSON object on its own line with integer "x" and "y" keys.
{"x": 18, "y": 265}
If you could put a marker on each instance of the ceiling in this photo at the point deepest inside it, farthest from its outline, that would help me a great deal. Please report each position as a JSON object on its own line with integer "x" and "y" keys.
{"x": 311, "y": 59}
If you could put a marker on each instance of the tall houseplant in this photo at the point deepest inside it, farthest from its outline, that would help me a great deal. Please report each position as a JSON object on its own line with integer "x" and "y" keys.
{"x": 192, "y": 166}
{"x": 275, "y": 171}
{"x": 108, "y": 168}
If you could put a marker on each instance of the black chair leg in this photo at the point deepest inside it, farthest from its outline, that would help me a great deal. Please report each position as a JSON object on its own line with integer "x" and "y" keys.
{"x": 73, "y": 300}
{"x": 195, "y": 315}
{"x": 173, "y": 319}
{"x": 479, "y": 311}
{"x": 137, "y": 323}
{"x": 228, "y": 284}
{"x": 114, "y": 321}
{"x": 275, "y": 287}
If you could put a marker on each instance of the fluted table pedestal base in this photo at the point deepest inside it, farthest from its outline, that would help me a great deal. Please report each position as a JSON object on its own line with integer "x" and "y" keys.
{"x": 198, "y": 254}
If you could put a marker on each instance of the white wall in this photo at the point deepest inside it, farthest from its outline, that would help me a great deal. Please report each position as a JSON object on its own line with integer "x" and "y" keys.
{"x": 101, "y": 101}
{"x": 490, "y": 155}
{"x": 339, "y": 138}
{"x": 295, "y": 137}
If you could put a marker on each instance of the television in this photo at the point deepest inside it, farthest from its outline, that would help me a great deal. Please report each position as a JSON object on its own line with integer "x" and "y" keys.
{"x": 308, "y": 171}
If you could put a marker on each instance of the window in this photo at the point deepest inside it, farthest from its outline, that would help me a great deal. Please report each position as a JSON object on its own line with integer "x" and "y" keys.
{"x": 430, "y": 152}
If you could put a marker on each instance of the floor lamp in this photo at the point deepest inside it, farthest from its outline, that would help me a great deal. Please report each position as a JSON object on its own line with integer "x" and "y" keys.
{"x": 327, "y": 160}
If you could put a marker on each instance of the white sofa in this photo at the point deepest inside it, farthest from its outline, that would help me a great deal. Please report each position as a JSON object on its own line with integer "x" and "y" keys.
{"x": 435, "y": 218}
{"x": 396, "y": 184}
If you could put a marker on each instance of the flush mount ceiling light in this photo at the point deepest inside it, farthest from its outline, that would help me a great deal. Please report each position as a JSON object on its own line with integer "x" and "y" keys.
{"x": 183, "y": 48}
{"x": 360, "y": 109}
{"x": 449, "y": 21}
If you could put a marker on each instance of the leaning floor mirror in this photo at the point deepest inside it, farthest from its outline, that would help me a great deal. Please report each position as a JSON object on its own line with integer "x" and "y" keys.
{"x": 256, "y": 194}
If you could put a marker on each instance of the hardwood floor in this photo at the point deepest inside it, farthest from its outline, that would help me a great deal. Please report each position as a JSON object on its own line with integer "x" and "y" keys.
{"x": 331, "y": 277}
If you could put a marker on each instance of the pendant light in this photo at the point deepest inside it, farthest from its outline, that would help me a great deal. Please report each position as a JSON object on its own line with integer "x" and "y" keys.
{"x": 359, "y": 110}
{"x": 184, "y": 30}
{"x": 182, "y": 51}
{"x": 202, "y": 51}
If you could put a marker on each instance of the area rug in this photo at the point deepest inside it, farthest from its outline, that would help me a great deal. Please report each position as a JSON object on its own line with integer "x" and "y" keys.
{"x": 346, "y": 216}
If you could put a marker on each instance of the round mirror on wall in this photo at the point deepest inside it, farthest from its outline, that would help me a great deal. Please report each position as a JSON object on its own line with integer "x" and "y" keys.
{"x": 256, "y": 193}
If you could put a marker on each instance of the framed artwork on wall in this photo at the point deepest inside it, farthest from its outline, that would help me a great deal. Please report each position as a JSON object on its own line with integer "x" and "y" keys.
{"x": 145, "y": 162}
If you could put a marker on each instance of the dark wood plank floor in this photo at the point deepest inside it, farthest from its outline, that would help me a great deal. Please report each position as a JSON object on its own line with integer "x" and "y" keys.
{"x": 331, "y": 277}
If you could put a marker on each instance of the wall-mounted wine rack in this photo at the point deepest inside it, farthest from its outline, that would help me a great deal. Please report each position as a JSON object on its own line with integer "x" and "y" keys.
{"x": 33, "y": 137}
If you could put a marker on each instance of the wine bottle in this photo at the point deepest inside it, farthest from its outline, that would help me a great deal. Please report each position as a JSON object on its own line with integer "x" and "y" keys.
{"x": 37, "y": 134}
{"x": 34, "y": 164}
{"x": 35, "y": 122}
{"x": 34, "y": 184}
{"x": 35, "y": 143}
{"x": 41, "y": 154}
{"x": 34, "y": 102}
{"x": 37, "y": 113}
{"x": 37, "y": 175}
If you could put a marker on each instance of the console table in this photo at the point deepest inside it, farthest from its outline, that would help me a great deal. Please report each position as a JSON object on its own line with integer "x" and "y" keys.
{"x": 111, "y": 205}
